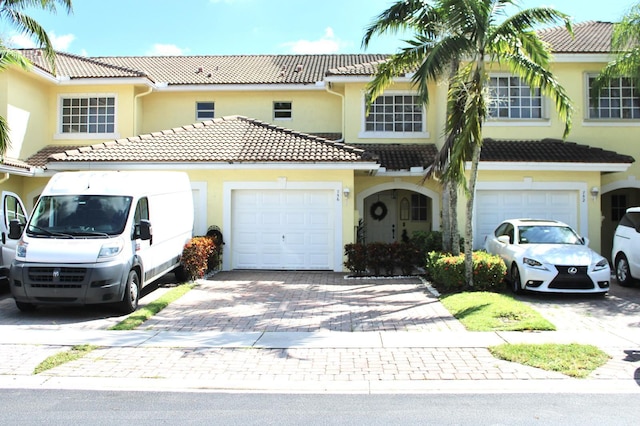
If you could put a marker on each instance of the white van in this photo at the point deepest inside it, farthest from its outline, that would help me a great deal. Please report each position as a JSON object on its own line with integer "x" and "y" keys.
{"x": 99, "y": 237}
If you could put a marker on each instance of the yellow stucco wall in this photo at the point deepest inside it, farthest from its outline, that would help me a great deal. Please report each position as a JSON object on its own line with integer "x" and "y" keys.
{"x": 26, "y": 111}
{"x": 312, "y": 112}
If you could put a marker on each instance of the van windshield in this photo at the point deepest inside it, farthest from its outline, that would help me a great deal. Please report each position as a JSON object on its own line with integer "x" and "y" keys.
{"x": 79, "y": 215}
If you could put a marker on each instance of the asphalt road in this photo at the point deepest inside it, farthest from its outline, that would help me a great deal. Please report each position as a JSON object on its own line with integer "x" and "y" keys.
{"x": 64, "y": 407}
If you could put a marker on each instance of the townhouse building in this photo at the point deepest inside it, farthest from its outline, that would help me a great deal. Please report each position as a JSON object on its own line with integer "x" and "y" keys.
{"x": 284, "y": 159}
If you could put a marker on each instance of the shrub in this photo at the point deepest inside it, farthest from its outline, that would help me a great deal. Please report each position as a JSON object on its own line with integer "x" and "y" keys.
{"x": 409, "y": 256}
{"x": 448, "y": 272}
{"x": 356, "y": 258}
{"x": 427, "y": 241}
{"x": 431, "y": 259}
{"x": 376, "y": 257}
{"x": 197, "y": 257}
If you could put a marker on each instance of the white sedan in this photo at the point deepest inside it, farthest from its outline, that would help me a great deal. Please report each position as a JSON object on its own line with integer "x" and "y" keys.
{"x": 548, "y": 256}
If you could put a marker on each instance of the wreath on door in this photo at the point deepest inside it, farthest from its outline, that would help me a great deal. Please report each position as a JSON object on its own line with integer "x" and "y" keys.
{"x": 378, "y": 210}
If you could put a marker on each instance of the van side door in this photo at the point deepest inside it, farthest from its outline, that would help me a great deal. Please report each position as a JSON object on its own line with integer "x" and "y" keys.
{"x": 142, "y": 246}
{"x": 12, "y": 208}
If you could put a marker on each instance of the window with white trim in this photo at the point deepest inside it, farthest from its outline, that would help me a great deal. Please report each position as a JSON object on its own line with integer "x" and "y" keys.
{"x": 419, "y": 207}
{"x": 620, "y": 99}
{"x": 205, "y": 110}
{"x": 282, "y": 110}
{"x": 88, "y": 114}
{"x": 513, "y": 99}
{"x": 399, "y": 113}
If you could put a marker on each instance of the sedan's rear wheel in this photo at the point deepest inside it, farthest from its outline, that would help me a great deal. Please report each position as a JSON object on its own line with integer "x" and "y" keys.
{"x": 516, "y": 285}
{"x": 623, "y": 274}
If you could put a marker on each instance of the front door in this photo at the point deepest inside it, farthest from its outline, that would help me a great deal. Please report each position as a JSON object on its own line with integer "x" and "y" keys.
{"x": 381, "y": 220}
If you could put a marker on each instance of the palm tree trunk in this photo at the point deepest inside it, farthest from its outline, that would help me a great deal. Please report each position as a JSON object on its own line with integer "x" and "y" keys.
{"x": 453, "y": 219}
{"x": 446, "y": 218}
{"x": 468, "y": 237}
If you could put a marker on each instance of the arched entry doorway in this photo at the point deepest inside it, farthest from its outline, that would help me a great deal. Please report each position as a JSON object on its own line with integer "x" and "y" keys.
{"x": 615, "y": 200}
{"x": 394, "y": 211}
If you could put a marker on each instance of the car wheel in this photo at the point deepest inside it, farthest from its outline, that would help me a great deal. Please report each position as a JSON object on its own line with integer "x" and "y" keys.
{"x": 131, "y": 294}
{"x": 623, "y": 274}
{"x": 516, "y": 285}
{"x": 25, "y": 307}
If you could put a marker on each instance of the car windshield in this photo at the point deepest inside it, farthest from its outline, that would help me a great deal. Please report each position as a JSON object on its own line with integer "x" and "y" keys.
{"x": 542, "y": 234}
{"x": 79, "y": 215}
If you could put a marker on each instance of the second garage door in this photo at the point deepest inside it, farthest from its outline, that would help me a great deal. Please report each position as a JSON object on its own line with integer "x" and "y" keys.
{"x": 283, "y": 229}
{"x": 492, "y": 207}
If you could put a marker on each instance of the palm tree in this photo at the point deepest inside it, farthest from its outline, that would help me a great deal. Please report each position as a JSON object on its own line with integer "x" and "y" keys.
{"x": 475, "y": 33}
{"x": 11, "y": 11}
{"x": 625, "y": 44}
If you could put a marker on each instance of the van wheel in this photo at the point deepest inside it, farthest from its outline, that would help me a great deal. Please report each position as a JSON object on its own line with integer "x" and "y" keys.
{"x": 131, "y": 294}
{"x": 25, "y": 307}
{"x": 623, "y": 274}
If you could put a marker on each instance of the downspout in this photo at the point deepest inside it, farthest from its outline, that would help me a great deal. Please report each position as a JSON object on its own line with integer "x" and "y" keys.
{"x": 328, "y": 89}
{"x": 135, "y": 109}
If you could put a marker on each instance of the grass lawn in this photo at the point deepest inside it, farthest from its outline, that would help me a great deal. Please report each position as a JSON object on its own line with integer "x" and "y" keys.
{"x": 485, "y": 311}
{"x": 60, "y": 358}
{"x": 149, "y": 310}
{"x": 571, "y": 359}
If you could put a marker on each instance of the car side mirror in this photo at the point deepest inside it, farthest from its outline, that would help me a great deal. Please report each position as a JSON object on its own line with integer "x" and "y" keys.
{"x": 504, "y": 239}
{"x": 15, "y": 229}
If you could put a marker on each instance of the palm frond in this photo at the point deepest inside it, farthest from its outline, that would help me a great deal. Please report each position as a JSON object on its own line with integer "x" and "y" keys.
{"x": 12, "y": 57}
{"x": 5, "y": 143}
{"x": 402, "y": 15}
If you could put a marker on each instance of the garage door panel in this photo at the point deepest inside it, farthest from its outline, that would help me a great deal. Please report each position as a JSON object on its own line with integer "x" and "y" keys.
{"x": 492, "y": 207}
{"x": 291, "y": 229}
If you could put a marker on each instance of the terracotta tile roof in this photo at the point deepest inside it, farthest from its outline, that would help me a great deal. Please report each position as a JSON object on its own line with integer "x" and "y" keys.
{"x": 589, "y": 37}
{"x": 401, "y": 156}
{"x": 363, "y": 69}
{"x": 548, "y": 151}
{"x": 74, "y": 66}
{"x": 181, "y": 70}
{"x": 39, "y": 159}
{"x": 232, "y": 139}
{"x": 405, "y": 156}
{"x": 15, "y": 163}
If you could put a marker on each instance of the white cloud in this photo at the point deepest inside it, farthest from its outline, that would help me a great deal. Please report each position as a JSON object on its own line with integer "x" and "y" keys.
{"x": 165, "y": 50}
{"x": 21, "y": 41}
{"x": 59, "y": 42}
{"x": 328, "y": 43}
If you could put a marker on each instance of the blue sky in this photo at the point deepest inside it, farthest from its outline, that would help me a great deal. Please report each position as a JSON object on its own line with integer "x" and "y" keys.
{"x": 225, "y": 27}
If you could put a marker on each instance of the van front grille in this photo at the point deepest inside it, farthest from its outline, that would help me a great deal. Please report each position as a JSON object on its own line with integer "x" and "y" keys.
{"x": 55, "y": 277}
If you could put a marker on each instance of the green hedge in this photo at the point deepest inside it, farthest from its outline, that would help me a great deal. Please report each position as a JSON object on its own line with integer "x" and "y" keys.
{"x": 378, "y": 259}
{"x": 447, "y": 272}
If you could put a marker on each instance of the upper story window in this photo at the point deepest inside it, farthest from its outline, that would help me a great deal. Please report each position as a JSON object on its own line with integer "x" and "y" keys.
{"x": 513, "y": 99}
{"x": 88, "y": 114}
{"x": 395, "y": 114}
{"x": 619, "y": 100}
{"x": 205, "y": 110}
{"x": 282, "y": 110}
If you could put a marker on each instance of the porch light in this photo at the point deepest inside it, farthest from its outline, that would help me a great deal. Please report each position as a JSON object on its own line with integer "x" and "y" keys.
{"x": 594, "y": 192}
{"x": 346, "y": 191}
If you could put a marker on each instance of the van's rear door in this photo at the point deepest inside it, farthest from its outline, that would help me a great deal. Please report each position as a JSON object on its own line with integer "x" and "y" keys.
{"x": 12, "y": 208}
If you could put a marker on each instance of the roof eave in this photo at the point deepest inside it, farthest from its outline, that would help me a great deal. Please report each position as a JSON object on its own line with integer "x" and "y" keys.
{"x": 551, "y": 166}
{"x": 113, "y": 165}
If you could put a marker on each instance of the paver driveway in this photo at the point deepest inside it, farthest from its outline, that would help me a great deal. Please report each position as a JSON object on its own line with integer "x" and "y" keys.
{"x": 304, "y": 301}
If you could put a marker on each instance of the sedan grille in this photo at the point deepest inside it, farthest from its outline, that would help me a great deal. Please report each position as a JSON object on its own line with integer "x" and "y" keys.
{"x": 572, "y": 278}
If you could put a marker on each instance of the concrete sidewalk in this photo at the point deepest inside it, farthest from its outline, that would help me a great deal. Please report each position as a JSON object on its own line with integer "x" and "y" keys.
{"x": 399, "y": 355}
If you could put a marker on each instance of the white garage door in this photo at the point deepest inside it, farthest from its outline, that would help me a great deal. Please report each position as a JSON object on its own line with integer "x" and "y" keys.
{"x": 492, "y": 207}
{"x": 283, "y": 229}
